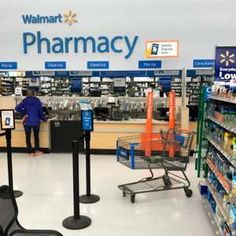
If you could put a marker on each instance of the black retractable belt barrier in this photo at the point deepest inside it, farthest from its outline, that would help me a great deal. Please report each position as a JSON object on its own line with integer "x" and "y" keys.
{"x": 88, "y": 197}
{"x": 7, "y": 134}
{"x": 76, "y": 221}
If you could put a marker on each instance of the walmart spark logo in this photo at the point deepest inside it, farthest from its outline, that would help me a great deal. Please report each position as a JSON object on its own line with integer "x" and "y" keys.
{"x": 227, "y": 58}
{"x": 68, "y": 17}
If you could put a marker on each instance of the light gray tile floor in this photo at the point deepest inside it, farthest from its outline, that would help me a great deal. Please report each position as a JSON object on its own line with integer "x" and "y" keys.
{"x": 47, "y": 185}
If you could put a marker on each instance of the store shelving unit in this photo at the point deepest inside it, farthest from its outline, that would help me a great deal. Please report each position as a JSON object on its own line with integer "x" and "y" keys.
{"x": 195, "y": 80}
{"x": 57, "y": 87}
{"x": 193, "y": 86}
{"x": 220, "y": 164}
{"x": 176, "y": 85}
{"x": 136, "y": 87}
{"x": 97, "y": 86}
{"x": 6, "y": 85}
{"x": 226, "y": 185}
{"x": 228, "y": 127}
{"x": 51, "y": 85}
{"x": 223, "y": 99}
{"x": 221, "y": 150}
{"x": 45, "y": 86}
{"x": 22, "y": 83}
{"x": 211, "y": 215}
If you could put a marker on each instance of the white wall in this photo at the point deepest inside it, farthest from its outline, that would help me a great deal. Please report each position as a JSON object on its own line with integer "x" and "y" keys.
{"x": 199, "y": 25}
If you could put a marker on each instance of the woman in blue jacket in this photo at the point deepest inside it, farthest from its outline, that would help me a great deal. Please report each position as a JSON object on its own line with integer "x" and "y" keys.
{"x": 32, "y": 111}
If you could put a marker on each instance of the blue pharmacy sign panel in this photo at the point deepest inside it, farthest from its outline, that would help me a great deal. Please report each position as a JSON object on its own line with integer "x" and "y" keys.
{"x": 203, "y": 63}
{"x": 55, "y": 65}
{"x": 225, "y": 64}
{"x": 87, "y": 120}
{"x": 8, "y": 65}
{"x": 98, "y": 65}
{"x": 149, "y": 64}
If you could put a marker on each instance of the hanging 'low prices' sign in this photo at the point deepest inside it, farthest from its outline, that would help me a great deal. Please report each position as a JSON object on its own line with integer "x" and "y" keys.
{"x": 225, "y": 64}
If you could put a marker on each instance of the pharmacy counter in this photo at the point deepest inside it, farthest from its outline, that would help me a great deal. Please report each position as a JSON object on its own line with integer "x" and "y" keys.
{"x": 103, "y": 138}
{"x": 18, "y": 137}
{"x": 105, "y": 133}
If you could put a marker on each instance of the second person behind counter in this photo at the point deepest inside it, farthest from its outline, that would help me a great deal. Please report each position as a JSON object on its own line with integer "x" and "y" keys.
{"x": 32, "y": 111}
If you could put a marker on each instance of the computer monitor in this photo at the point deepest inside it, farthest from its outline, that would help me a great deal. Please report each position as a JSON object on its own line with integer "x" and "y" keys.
{"x": 101, "y": 113}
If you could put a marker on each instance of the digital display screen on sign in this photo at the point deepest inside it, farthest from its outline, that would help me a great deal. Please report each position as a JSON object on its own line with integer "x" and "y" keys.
{"x": 7, "y": 119}
{"x": 87, "y": 120}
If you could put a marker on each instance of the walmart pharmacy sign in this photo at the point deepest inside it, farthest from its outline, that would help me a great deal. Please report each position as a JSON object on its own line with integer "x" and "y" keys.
{"x": 68, "y": 17}
{"x": 38, "y": 19}
{"x": 37, "y": 42}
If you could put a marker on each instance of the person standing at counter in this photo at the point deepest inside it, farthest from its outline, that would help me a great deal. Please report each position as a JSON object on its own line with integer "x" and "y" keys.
{"x": 32, "y": 111}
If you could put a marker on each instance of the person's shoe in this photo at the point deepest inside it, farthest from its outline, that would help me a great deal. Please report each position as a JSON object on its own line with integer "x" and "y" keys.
{"x": 38, "y": 153}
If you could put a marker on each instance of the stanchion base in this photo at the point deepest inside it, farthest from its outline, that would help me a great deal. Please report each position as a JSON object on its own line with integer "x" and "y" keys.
{"x": 17, "y": 193}
{"x": 87, "y": 199}
{"x": 72, "y": 223}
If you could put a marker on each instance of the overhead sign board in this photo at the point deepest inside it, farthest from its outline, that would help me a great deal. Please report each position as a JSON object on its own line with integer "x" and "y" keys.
{"x": 205, "y": 72}
{"x": 225, "y": 63}
{"x": 162, "y": 48}
{"x": 149, "y": 64}
{"x": 43, "y": 73}
{"x": 68, "y": 31}
{"x": 81, "y": 73}
{"x": 199, "y": 72}
{"x": 203, "y": 63}
{"x": 98, "y": 65}
{"x": 167, "y": 72}
{"x": 8, "y": 65}
{"x": 55, "y": 65}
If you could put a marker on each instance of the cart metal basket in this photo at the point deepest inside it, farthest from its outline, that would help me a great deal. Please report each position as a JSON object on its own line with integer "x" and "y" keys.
{"x": 167, "y": 150}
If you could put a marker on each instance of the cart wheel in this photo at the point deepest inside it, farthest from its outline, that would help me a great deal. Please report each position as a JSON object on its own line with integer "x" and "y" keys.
{"x": 166, "y": 180}
{"x": 188, "y": 192}
{"x": 124, "y": 194}
{"x": 132, "y": 198}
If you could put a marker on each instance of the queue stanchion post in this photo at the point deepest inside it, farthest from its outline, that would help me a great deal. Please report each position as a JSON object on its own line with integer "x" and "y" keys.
{"x": 8, "y": 124}
{"x": 76, "y": 221}
{"x": 87, "y": 126}
{"x": 17, "y": 193}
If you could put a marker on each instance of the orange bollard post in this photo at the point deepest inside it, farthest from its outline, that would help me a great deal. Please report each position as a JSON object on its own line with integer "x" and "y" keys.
{"x": 148, "y": 135}
{"x": 172, "y": 120}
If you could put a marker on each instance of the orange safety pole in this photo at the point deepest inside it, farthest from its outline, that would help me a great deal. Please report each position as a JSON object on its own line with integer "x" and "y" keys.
{"x": 171, "y": 119}
{"x": 171, "y": 109}
{"x": 148, "y": 135}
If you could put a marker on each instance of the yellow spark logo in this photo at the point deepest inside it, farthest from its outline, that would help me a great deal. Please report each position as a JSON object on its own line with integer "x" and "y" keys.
{"x": 70, "y": 17}
{"x": 227, "y": 58}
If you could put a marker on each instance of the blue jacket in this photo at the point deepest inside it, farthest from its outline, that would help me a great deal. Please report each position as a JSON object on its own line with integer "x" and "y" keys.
{"x": 32, "y": 107}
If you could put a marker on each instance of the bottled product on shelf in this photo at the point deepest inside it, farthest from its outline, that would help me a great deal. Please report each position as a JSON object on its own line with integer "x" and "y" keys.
{"x": 220, "y": 160}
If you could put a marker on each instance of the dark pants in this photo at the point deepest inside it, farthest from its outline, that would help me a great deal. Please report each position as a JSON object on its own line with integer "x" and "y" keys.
{"x": 28, "y": 136}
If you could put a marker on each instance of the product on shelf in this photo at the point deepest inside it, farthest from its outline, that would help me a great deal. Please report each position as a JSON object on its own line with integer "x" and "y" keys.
{"x": 220, "y": 165}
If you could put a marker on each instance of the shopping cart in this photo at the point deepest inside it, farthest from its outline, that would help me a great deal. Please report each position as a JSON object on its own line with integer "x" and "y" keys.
{"x": 169, "y": 151}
